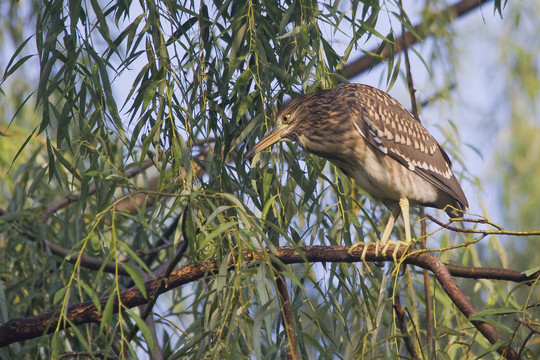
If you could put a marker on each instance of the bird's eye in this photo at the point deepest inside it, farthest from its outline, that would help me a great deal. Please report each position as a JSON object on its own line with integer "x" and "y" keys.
{"x": 285, "y": 118}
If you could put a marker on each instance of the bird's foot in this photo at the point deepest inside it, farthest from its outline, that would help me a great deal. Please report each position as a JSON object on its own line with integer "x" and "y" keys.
{"x": 397, "y": 246}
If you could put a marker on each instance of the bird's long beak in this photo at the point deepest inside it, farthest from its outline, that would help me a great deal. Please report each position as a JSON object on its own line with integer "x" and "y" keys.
{"x": 270, "y": 139}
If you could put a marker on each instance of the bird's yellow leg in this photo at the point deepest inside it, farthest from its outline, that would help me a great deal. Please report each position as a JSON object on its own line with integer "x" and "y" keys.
{"x": 364, "y": 251}
{"x": 384, "y": 238}
{"x": 363, "y": 257}
{"x": 388, "y": 230}
{"x": 384, "y": 241}
{"x": 389, "y": 225}
{"x": 404, "y": 205}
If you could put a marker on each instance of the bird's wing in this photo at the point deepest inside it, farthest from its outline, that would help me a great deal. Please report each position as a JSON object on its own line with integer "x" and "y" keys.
{"x": 393, "y": 130}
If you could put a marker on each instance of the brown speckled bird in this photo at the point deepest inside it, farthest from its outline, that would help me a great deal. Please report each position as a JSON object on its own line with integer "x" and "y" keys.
{"x": 376, "y": 141}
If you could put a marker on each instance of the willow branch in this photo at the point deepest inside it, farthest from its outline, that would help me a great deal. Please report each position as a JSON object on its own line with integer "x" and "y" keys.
{"x": 86, "y": 261}
{"x": 366, "y": 62}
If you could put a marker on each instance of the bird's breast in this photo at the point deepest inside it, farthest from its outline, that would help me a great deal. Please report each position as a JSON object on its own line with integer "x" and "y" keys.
{"x": 385, "y": 178}
{"x": 381, "y": 176}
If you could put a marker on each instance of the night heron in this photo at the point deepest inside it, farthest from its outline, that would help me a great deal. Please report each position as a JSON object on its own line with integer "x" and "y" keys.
{"x": 376, "y": 141}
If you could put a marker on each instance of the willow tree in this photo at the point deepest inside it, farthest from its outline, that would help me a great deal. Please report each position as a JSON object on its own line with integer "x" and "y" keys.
{"x": 132, "y": 226}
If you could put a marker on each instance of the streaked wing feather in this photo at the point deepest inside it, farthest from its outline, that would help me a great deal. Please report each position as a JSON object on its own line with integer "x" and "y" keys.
{"x": 392, "y": 129}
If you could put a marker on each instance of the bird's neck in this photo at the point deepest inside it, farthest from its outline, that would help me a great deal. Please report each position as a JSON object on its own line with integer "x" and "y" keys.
{"x": 334, "y": 152}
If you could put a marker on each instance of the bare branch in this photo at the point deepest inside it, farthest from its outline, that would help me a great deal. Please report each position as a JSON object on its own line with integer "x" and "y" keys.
{"x": 499, "y": 231}
{"x": 87, "y": 261}
{"x": 285, "y": 304}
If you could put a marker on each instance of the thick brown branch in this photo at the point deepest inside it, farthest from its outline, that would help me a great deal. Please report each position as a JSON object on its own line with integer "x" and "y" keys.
{"x": 31, "y": 327}
{"x": 471, "y": 272}
{"x": 27, "y": 328}
{"x": 365, "y": 62}
{"x": 466, "y": 307}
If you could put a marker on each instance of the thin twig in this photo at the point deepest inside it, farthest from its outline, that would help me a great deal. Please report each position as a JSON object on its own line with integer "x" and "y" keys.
{"x": 65, "y": 201}
{"x": 534, "y": 328}
{"x": 501, "y": 231}
{"x": 285, "y": 305}
{"x": 427, "y": 294}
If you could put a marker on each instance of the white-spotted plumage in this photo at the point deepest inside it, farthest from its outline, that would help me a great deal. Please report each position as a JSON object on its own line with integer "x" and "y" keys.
{"x": 376, "y": 141}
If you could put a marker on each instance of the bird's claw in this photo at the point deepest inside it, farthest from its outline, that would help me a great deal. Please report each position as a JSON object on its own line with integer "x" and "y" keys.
{"x": 397, "y": 246}
{"x": 364, "y": 252}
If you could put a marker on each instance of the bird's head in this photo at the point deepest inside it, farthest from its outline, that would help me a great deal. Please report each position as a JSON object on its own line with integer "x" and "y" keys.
{"x": 291, "y": 122}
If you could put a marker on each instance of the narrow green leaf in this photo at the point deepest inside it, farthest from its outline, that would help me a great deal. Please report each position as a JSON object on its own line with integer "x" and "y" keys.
{"x": 483, "y": 314}
{"x": 127, "y": 248}
{"x": 217, "y": 232}
{"x": 136, "y": 277}
{"x": 74, "y": 328}
{"x": 55, "y": 345}
{"x": 60, "y": 295}
{"x": 9, "y": 68}
{"x": 106, "y": 318}
{"x": 216, "y": 212}
{"x": 23, "y": 146}
{"x": 19, "y": 63}
{"x": 141, "y": 324}
{"x": 492, "y": 349}
{"x": 66, "y": 163}
{"x": 532, "y": 271}
{"x": 91, "y": 293}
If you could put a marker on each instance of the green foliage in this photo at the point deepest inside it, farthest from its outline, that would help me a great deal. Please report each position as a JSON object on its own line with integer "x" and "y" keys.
{"x": 190, "y": 86}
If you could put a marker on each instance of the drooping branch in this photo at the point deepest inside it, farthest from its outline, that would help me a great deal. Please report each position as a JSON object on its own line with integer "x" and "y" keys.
{"x": 355, "y": 68}
{"x": 27, "y": 328}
